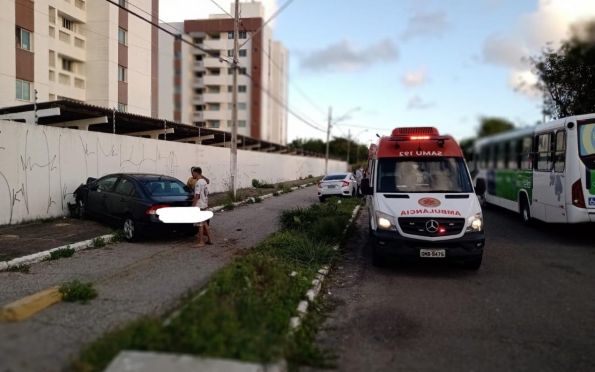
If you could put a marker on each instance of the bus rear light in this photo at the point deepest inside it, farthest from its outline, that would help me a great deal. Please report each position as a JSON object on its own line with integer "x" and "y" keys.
{"x": 578, "y": 198}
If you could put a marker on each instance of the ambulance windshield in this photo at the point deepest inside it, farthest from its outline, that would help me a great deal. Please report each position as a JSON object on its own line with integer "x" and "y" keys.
{"x": 423, "y": 175}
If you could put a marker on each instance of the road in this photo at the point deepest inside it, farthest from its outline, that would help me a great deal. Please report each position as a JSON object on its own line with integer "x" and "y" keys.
{"x": 529, "y": 308}
{"x": 133, "y": 280}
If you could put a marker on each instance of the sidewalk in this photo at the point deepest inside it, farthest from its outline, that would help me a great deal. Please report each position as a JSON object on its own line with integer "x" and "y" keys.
{"x": 24, "y": 239}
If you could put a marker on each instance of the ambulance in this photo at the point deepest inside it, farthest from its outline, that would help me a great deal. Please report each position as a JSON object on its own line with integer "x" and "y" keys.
{"x": 421, "y": 200}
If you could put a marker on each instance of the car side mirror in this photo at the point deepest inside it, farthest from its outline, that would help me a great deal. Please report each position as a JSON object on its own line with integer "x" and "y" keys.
{"x": 366, "y": 188}
{"x": 93, "y": 187}
{"x": 90, "y": 179}
{"x": 480, "y": 188}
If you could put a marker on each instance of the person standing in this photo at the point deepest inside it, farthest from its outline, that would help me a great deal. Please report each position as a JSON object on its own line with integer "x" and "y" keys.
{"x": 201, "y": 195}
{"x": 358, "y": 179}
{"x": 191, "y": 183}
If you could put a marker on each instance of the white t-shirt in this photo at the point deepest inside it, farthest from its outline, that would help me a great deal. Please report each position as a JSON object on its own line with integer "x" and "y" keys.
{"x": 202, "y": 191}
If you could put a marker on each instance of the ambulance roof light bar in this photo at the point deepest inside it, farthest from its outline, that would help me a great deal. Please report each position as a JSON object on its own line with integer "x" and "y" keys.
{"x": 417, "y": 134}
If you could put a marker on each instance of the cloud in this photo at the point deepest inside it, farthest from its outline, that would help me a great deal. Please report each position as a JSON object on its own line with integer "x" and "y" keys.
{"x": 505, "y": 51}
{"x": 548, "y": 25}
{"x": 417, "y": 103}
{"x": 343, "y": 56}
{"x": 415, "y": 78}
{"x": 426, "y": 24}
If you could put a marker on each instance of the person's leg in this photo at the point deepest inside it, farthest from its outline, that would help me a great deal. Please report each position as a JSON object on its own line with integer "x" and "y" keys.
{"x": 207, "y": 233}
{"x": 200, "y": 233}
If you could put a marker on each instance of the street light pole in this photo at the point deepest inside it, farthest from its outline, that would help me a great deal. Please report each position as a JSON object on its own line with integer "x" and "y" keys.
{"x": 348, "y": 144}
{"x": 234, "y": 104}
{"x": 328, "y": 136}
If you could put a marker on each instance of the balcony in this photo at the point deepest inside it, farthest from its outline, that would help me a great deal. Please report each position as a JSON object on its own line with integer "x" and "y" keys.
{"x": 198, "y": 116}
{"x": 199, "y": 82}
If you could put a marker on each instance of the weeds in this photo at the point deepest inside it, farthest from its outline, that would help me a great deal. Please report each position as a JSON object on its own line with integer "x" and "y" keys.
{"x": 22, "y": 268}
{"x": 258, "y": 199}
{"x": 77, "y": 291}
{"x": 98, "y": 242}
{"x": 262, "y": 184}
{"x": 118, "y": 236}
{"x": 61, "y": 253}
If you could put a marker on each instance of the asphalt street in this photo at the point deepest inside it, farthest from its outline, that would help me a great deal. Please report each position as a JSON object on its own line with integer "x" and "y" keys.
{"x": 132, "y": 280}
{"x": 530, "y": 306}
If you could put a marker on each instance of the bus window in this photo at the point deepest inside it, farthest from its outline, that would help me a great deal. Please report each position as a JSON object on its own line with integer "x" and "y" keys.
{"x": 560, "y": 151}
{"x": 525, "y": 158}
{"x": 484, "y": 152}
{"x": 501, "y": 155}
{"x": 493, "y": 157}
{"x": 544, "y": 152}
{"x": 513, "y": 151}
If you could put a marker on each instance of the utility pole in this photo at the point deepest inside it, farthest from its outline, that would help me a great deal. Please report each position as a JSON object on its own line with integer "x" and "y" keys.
{"x": 348, "y": 145}
{"x": 234, "y": 104}
{"x": 328, "y": 136}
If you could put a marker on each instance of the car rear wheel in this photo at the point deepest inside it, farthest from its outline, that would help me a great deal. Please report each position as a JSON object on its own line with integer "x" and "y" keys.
{"x": 131, "y": 230}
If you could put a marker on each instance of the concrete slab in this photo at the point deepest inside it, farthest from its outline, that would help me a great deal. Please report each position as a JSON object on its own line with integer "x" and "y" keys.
{"x": 137, "y": 361}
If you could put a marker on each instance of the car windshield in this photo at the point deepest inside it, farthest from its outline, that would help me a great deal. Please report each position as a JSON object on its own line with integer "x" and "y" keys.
{"x": 334, "y": 177}
{"x": 423, "y": 175}
{"x": 586, "y": 139}
{"x": 165, "y": 187}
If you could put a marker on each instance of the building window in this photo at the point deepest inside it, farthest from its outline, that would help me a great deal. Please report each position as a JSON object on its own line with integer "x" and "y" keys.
{"x": 214, "y": 107}
{"x": 23, "y": 38}
{"x": 242, "y": 34}
{"x": 230, "y": 35}
{"x": 122, "y": 73}
{"x": 242, "y": 71}
{"x": 23, "y": 90}
{"x": 243, "y": 52}
{"x": 230, "y": 52}
{"x": 122, "y": 36}
{"x": 242, "y": 106}
{"x": 122, "y": 107}
{"x": 67, "y": 24}
{"x": 214, "y": 123}
{"x": 242, "y": 88}
{"x": 67, "y": 64}
{"x": 242, "y": 123}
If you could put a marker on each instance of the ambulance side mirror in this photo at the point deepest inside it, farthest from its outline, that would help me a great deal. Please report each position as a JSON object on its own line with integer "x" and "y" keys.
{"x": 366, "y": 188}
{"x": 480, "y": 188}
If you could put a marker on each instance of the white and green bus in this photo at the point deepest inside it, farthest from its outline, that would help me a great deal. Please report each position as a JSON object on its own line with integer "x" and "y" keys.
{"x": 546, "y": 172}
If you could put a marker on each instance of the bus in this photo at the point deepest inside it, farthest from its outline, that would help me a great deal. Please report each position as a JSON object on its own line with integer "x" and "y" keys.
{"x": 546, "y": 172}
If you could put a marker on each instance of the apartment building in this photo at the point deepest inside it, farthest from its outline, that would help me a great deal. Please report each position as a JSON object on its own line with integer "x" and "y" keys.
{"x": 87, "y": 50}
{"x": 201, "y": 78}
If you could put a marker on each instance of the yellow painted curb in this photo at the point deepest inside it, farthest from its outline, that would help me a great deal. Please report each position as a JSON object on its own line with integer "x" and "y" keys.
{"x": 30, "y": 305}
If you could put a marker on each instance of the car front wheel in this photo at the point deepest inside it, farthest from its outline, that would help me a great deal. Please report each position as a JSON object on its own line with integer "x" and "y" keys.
{"x": 131, "y": 230}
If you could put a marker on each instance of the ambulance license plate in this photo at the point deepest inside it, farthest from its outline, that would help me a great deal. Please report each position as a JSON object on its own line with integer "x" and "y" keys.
{"x": 432, "y": 253}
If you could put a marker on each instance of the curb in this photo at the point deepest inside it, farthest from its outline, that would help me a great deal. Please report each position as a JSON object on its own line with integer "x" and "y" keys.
{"x": 30, "y": 305}
{"x": 79, "y": 246}
{"x": 314, "y": 291}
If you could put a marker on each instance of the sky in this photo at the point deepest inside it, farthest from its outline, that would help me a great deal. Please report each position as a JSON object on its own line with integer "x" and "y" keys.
{"x": 381, "y": 64}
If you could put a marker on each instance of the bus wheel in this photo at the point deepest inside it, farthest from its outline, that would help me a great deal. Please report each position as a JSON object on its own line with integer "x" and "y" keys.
{"x": 525, "y": 211}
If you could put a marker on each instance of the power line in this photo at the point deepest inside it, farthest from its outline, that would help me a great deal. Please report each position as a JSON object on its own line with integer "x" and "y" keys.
{"x": 281, "y": 9}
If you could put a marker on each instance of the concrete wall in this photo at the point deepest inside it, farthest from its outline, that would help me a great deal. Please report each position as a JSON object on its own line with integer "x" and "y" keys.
{"x": 41, "y": 166}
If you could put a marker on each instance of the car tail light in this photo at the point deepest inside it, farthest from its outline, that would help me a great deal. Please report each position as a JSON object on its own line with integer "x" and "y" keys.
{"x": 345, "y": 183}
{"x": 153, "y": 209}
{"x": 578, "y": 198}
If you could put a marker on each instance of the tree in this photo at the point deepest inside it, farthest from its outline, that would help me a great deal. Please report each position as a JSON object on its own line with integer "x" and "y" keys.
{"x": 567, "y": 75}
{"x": 337, "y": 148}
{"x": 492, "y": 125}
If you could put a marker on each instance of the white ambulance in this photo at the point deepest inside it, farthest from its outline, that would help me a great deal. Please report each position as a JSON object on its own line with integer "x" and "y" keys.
{"x": 421, "y": 200}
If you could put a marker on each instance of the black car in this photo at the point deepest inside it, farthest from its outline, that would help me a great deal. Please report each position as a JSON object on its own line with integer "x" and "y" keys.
{"x": 131, "y": 200}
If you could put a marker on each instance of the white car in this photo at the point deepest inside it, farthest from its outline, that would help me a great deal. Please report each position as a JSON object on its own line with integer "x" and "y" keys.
{"x": 337, "y": 184}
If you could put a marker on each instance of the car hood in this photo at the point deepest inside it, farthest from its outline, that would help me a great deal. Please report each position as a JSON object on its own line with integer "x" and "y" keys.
{"x": 429, "y": 205}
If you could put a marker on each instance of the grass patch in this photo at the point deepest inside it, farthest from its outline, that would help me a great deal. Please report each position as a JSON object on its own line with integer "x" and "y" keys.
{"x": 61, "y": 253}
{"x": 77, "y": 291}
{"x": 118, "y": 236}
{"x": 244, "y": 312}
{"x": 22, "y": 268}
{"x": 258, "y": 199}
{"x": 98, "y": 242}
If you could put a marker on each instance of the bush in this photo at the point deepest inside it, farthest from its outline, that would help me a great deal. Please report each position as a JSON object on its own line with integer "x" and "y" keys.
{"x": 262, "y": 184}
{"x": 298, "y": 249}
{"x": 22, "y": 268}
{"x": 76, "y": 291}
{"x": 61, "y": 253}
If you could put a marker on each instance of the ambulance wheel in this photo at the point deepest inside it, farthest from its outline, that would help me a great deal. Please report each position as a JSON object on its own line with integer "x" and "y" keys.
{"x": 473, "y": 263}
{"x": 525, "y": 211}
